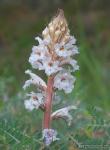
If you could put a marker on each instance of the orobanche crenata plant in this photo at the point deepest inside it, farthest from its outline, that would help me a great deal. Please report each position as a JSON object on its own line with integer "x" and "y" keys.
{"x": 55, "y": 56}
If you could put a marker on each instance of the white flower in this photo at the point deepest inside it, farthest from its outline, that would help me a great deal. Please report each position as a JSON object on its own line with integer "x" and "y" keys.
{"x": 74, "y": 65}
{"x": 70, "y": 61}
{"x": 36, "y": 80}
{"x": 35, "y": 101}
{"x": 68, "y": 49}
{"x": 37, "y": 56}
{"x": 39, "y": 53}
{"x": 64, "y": 113}
{"x": 51, "y": 67}
{"x": 49, "y": 136}
{"x": 64, "y": 81}
{"x": 36, "y": 64}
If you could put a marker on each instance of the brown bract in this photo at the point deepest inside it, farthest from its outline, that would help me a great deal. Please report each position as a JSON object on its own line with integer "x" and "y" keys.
{"x": 57, "y": 30}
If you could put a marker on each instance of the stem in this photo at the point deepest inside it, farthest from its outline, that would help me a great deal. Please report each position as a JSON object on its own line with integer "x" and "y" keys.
{"x": 48, "y": 103}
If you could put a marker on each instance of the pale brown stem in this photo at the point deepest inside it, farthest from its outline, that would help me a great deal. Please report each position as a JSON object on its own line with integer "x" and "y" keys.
{"x": 48, "y": 103}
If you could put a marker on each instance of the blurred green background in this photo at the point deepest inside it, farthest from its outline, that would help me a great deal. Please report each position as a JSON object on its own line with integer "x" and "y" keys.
{"x": 20, "y": 22}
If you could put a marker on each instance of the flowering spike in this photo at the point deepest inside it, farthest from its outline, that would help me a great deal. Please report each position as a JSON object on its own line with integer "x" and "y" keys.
{"x": 54, "y": 55}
